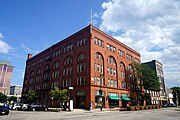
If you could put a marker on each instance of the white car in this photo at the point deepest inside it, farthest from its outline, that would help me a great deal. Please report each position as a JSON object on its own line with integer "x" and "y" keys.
{"x": 24, "y": 106}
{"x": 16, "y": 106}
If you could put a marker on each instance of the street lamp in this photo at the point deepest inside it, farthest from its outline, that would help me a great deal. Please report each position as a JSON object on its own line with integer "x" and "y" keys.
{"x": 71, "y": 100}
{"x": 100, "y": 91}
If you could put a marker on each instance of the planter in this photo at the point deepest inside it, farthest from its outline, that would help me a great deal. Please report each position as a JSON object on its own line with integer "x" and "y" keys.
{"x": 142, "y": 108}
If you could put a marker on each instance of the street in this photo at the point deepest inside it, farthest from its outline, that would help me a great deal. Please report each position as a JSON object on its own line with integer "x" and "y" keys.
{"x": 153, "y": 114}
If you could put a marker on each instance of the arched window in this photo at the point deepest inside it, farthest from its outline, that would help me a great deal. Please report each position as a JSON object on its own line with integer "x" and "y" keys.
{"x": 38, "y": 71}
{"x": 47, "y": 67}
{"x": 56, "y": 65}
{"x": 111, "y": 60}
{"x": 81, "y": 56}
{"x": 98, "y": 56}
{"x": 68, "y": 60}
{"x": 122, "y": 70}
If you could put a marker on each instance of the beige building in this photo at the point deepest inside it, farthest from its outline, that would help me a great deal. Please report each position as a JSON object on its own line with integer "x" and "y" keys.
{"x": 6, "y": 70}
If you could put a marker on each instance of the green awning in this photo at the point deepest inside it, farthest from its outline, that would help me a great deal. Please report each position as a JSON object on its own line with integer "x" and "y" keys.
{"x": 114, "y": 97}
{"x": 126, "y": 98}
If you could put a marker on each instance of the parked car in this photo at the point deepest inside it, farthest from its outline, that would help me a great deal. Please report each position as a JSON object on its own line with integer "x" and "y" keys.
{"x": 23, "y": 107}
{"x": 16, "y": 106}
{"x": 4, "y": 109}
{"x": 37, "y": 107}
{"x": 172, "y": 105}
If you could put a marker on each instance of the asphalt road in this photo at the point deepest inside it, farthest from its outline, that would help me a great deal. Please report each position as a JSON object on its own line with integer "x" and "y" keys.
{"x": 154, "y": 114}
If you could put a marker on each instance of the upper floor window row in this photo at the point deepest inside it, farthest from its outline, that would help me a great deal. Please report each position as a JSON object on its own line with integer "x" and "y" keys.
{"x": 68, "y": 48}
{"x": 57, "y": 53}
{"x": 121, "y": 53}
{"x": 111, "y": 48}
{"x": 136, "y": 60}
{"x": 47, "y": 58}
{"x": 129, "y": 57}
{"x": 81, "y": 42}
{"x": 99, "y": 42}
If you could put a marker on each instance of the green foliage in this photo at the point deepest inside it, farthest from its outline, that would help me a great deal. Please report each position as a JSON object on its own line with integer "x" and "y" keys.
{"x": 134, "y": 99}
{"x": 12, "y": 98}
{"x": 176, "y": 93}
{"x": 147, "y": 97}
{"x": 31, "y": 96}
{"x": 61, "y": 95}
{"x": 3, "y": 98}
{"x": 55, "y": 94}
{"x": 149, "y": 78}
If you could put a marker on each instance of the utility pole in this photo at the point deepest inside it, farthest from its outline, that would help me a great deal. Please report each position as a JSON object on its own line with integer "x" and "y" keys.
{"x": 100, "y": 91}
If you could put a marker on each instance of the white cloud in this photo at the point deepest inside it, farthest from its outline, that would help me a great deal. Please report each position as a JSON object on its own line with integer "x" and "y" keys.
{"x": 4, "y": 47}
{"x": 152, "y": 27}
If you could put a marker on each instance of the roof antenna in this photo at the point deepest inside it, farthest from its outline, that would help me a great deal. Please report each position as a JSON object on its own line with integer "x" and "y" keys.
{"x": 91, "y": 21}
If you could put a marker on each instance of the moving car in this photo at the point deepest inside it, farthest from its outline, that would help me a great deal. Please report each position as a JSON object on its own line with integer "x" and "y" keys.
{"x": 37, "y": 107}
{"x": 4, "y": 109}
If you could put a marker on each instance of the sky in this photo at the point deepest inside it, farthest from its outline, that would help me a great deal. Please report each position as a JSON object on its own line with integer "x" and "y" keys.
{"x": 151, "y": 27}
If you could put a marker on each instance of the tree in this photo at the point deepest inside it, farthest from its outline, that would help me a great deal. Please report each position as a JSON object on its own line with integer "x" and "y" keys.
{"x": 149, "y": 78}
{"x": 62, "y": 95}
{"x": 55, "y": 94}
{"x": 176, "y": 94}
{"x": 3, "y": 98}
{"x": 12, "y": 98}
{"x": 31, "y": 96}
{"x": 147, "y": 97}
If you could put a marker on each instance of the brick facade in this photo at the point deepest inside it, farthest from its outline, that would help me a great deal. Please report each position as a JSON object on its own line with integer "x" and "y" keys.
{"x": 78, "y": 61}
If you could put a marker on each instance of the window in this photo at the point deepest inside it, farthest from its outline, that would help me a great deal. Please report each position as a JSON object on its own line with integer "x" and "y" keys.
{"x": 109, "y": 82}
{"x": 98, "y": 42}
{"x": 68, "y": 60}
{"x": 57, "y": 53}
{"x": 115, "y": 83}
{"x": 81, "y": 80}
{"x": 67, "y": 71}
{"x": 111, "y": 48}
{"x": 123, "y": 85}
{"x": 111, "y": 60}
{"x": 129, "y": 57}
{"x": 47, "y": 68}
{"x": 98, "y": 56}
{"x": 56, "y": 65}
{"x": 68, "y": 48}
{"x": 66, "y": 83}
{"x": 98, "y": 67}
{"x": 81, "y": 56}
{"x": 121, "y": 53}
{"x": 81, "y": 42}
{"x": 81, "y": 67}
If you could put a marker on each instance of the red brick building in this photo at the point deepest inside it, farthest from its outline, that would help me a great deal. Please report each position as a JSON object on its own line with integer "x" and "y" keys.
{"x": 83, "y": 61}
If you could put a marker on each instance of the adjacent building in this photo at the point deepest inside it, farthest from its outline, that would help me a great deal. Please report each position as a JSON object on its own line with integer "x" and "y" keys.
{"x": 16, "y": 90}
{"x": 158, "y": 68}
{"x": 87, "y": 61}
{"x": 6, "y": 70}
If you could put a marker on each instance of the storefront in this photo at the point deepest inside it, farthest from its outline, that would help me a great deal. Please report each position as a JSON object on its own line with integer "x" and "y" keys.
{"x": 125, "y": 100}
{"x": 81, "y": 99}
{"x": 113, "y": 100}
{"x": 98, "y": 99}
